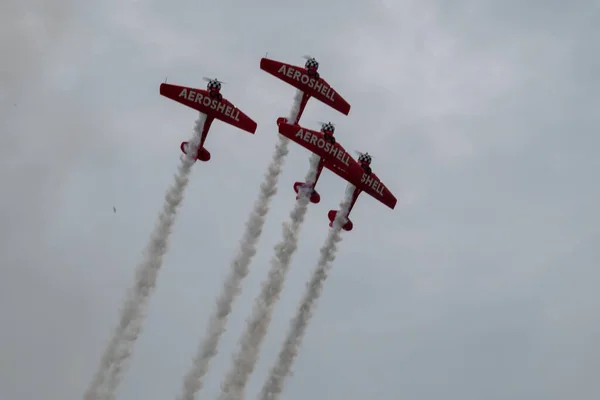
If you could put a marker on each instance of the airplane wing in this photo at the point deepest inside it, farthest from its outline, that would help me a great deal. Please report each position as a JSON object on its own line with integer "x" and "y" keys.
{"x": 347, "y": 174}
{"x": 199, "y": 100}
{"x": 372, "y": 185}
{"x": 338, "y": 161}
{"x": 315, "y": 142}
{"x": 298, "y": 77}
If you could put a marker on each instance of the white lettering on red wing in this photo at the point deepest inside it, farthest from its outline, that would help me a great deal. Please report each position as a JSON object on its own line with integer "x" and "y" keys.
{"x": 304, "y": 79}
{"x": 373, "y": 183}
{"x": 213, "y": 104}
{"x": 307, "y": 136}
{"x": 334, "y": 151}
{"x": 190, "y": 96}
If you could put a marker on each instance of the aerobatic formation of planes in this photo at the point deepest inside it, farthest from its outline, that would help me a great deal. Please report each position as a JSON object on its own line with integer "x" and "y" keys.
{"x": 333, "y": 155}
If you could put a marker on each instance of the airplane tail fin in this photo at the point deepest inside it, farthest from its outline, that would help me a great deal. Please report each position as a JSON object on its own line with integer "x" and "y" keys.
{"x": 347, "y": 227}
{"x": 315, "y": 197}
{"x": 203, "y": 154}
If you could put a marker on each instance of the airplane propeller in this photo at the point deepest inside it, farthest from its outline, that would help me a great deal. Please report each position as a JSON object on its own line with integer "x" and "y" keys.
{"x": 360, "y": 154}
{"x": 213, "y": 79}
{"x": 324, "y": 123}
{"x": 307, "y": 57}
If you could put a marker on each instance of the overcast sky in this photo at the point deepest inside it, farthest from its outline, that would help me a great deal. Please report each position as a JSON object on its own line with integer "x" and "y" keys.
{"x": 482, "y": 117}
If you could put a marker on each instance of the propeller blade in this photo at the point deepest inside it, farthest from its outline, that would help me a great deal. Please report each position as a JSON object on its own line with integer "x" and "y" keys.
{"x": 213, "y": 79}
{"x": 307, "y": 57}
{"x": 323, "y": 123}
{"x": 360, "y": 153}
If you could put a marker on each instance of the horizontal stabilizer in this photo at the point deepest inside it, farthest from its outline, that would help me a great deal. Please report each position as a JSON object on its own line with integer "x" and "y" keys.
{"x": 314, "y": 197}
{"x": 202, "y": 155}
{"x": 347, "y": 226}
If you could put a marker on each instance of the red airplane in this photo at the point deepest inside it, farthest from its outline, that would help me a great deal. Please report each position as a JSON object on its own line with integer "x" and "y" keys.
{"x": 335, "y": 158}
{"x": 327, "y": 131}
{"x": 370, "y": 184}
{"x": 307, "y": 80}
{"x": 211, "y": 103}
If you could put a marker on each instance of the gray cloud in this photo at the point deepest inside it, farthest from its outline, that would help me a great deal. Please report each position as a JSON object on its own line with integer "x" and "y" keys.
{"x": 481, "y": 116}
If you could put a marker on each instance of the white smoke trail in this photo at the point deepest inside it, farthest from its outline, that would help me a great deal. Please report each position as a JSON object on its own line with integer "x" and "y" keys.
{"x": 133, "y": 313}
{"x": 274, "y": 384}
{"x": 193, "y": 380}
{"x": 256, "y": 327}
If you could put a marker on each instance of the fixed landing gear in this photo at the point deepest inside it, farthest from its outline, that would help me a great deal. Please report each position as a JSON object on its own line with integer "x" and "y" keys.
{"x": 215, "y": 95}
{"x": 313, "y": 73}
